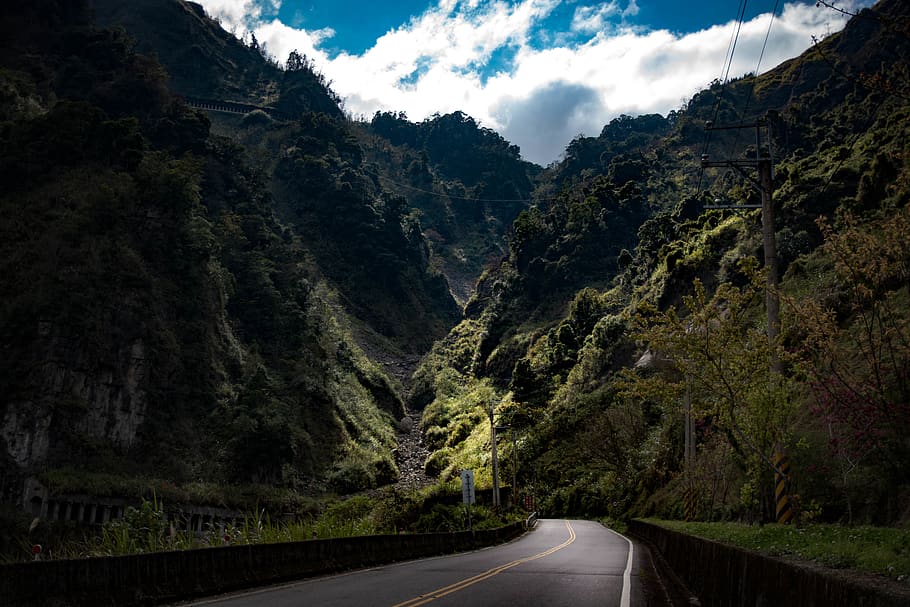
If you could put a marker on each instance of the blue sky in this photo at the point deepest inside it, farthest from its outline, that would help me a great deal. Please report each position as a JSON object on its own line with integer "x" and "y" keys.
{"x": 539, "y": 72}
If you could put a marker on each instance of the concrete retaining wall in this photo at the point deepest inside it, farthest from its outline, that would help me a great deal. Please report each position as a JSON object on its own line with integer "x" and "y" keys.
{"x": 724, "y": 576}
{"x": 150, "y": 579}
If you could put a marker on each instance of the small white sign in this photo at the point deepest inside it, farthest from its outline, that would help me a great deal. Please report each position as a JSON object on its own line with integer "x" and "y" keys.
{"x": 467, "y": 486}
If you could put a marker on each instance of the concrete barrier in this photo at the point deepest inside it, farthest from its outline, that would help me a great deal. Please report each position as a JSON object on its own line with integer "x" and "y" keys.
{"x": 150, "y": 579}
{"x": 723, "y": 576}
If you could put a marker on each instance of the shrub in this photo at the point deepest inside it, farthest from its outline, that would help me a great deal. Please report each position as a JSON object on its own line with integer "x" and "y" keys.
{"x": 256, "y": 117}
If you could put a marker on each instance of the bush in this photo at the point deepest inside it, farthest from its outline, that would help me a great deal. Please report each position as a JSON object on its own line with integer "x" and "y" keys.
{"x": 351, "y": 475}
{"x": 438, "y": 461}
{"x": 256, "y": 117}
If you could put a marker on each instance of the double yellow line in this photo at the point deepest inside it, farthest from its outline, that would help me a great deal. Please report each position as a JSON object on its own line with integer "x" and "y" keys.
{"x": 447, "y": 590}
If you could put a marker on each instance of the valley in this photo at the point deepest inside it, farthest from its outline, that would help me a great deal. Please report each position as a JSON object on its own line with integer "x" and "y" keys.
{"x": 221, "y": 291}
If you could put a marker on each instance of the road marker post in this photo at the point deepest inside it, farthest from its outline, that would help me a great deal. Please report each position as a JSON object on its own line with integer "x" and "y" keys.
{"x": 783, "y": 508}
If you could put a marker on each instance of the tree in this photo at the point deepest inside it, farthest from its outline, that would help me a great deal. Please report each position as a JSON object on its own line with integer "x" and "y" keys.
{"x": 856, "y": 350}
{"x": 719, "y": 352}
{"x": 296, "y": 62}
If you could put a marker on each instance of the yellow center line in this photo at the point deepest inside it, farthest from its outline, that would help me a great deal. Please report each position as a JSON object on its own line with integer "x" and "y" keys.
{"x": 446, "y": 590}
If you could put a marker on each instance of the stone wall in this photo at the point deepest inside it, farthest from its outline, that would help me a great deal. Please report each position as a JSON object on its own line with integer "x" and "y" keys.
{"x": 721, "y": 575}
{"x": 149, "y": 579}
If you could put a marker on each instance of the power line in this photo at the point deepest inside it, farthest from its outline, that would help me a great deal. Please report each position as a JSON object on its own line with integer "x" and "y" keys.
{"x": 725, "y": 72}
{"x": 761, "y": 56}
{"x": 452, "y": 196}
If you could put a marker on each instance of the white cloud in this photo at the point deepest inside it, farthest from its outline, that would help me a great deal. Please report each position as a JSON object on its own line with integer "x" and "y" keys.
{"x": 631, "y": 9}
{"x": 239, "y": 15}
{"x": 281, "y": 39}
{"x": 545, "y": 96}
{"x": 592, "y": 19}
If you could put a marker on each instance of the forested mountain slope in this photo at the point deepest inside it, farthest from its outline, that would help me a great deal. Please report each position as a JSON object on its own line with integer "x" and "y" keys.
{"x": 619, "y": 258}
{"x": 158, "y": 319}
{"x": 204, "y": 61}
{"x": 357, "y": 230}
{"x": 188, "y": 295}
{"x": 465, "y": 183}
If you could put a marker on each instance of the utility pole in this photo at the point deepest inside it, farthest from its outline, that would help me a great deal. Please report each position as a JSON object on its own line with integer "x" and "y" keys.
{"x": 514, "y": 458}
{"x": 764, "y": 183}
{"x": 514, "y": 467}
{"x": 495, "y": 461}
{"x": 689, "y": 456}
{"x": 772, "y": 300}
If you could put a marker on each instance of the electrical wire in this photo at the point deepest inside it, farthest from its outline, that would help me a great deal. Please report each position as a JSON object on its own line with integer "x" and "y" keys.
{"x": 749, "y": 97}
{"x": 761, "y": 56}
{"x": 725, "y": 71}
{"x": 452, "y": 196}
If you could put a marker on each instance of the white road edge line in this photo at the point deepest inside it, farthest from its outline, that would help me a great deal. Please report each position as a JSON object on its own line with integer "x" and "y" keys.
{"x": 625, "y": 599}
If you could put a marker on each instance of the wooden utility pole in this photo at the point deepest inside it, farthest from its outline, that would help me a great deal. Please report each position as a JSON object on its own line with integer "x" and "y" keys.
{"x": 690, "y": 456}
{"x": 764, "y": 183}
{"x": 772, "y": 300}
{"x": 495, "y": 461}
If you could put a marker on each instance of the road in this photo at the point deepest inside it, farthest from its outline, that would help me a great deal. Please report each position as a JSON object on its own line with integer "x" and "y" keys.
{"x": 572, "y": 563}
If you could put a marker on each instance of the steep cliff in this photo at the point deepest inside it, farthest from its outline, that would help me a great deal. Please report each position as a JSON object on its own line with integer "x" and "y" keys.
{"x": 158, "y": 320}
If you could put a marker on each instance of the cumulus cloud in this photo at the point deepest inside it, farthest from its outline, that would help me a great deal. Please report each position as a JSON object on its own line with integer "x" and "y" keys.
{"x": 550, "y": 91}
{"x": 592, "y": 19}
{"x": 598, "y": 18}
{"x": 557, "y": 112}
{"x": 240, "y": 15}
{"x": 280, "y": 39}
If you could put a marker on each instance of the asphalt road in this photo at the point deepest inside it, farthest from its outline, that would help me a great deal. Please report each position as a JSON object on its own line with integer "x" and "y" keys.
{"x": 571, "y": 563}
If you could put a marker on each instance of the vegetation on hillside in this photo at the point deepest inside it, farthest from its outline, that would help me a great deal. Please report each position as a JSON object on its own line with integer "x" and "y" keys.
{"x": 200, "y": 303}
{"x": 159, "y": 319}
{"x": 634, "y": 270}
{"x": 868, "y": 549}
{"x": 464, "y": 184}
{"x": 206, "y": 62}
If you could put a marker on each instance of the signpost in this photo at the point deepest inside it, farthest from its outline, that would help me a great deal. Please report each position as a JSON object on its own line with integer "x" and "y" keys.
{"x": 467, "y": 487}
{"x": 467, "y": 493}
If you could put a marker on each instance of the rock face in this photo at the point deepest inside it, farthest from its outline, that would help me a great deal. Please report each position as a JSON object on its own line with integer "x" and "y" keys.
{"x": 77, "y": 396}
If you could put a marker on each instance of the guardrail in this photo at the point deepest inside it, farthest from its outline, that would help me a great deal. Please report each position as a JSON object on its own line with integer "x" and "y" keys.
{"x": 722, "y": 575}
{"x": 163, "y": 577}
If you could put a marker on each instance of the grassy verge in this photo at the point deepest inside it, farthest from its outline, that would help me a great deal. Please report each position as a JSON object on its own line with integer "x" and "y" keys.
{"x": 881, "y": 550}
{"x": 146, "y": 528}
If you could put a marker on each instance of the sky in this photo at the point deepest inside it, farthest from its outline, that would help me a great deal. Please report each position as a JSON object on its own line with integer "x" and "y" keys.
{"x": 539, "y": 72}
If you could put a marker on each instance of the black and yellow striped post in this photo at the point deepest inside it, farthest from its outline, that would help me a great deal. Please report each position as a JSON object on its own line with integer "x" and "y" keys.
{"x": 690, "y": 502}
{"x": 784, "y": 509}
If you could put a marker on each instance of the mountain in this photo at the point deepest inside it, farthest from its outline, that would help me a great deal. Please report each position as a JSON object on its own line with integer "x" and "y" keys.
{"x": 204, "y": 61}
{"x": 160, "y": 319}
{"x": 226, "y": 305}
{"x": 618, "y": 253}
{"x": 465, "y": 183}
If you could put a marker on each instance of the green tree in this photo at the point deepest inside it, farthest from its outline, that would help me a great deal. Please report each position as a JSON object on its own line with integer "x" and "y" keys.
{"x": 720, "y": 351}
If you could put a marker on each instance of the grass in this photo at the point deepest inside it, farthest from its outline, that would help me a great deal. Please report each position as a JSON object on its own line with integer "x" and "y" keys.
{"x": 880, "y": 550}
{"x": 146, "y": 528}
{"x": 71, "y": 480}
